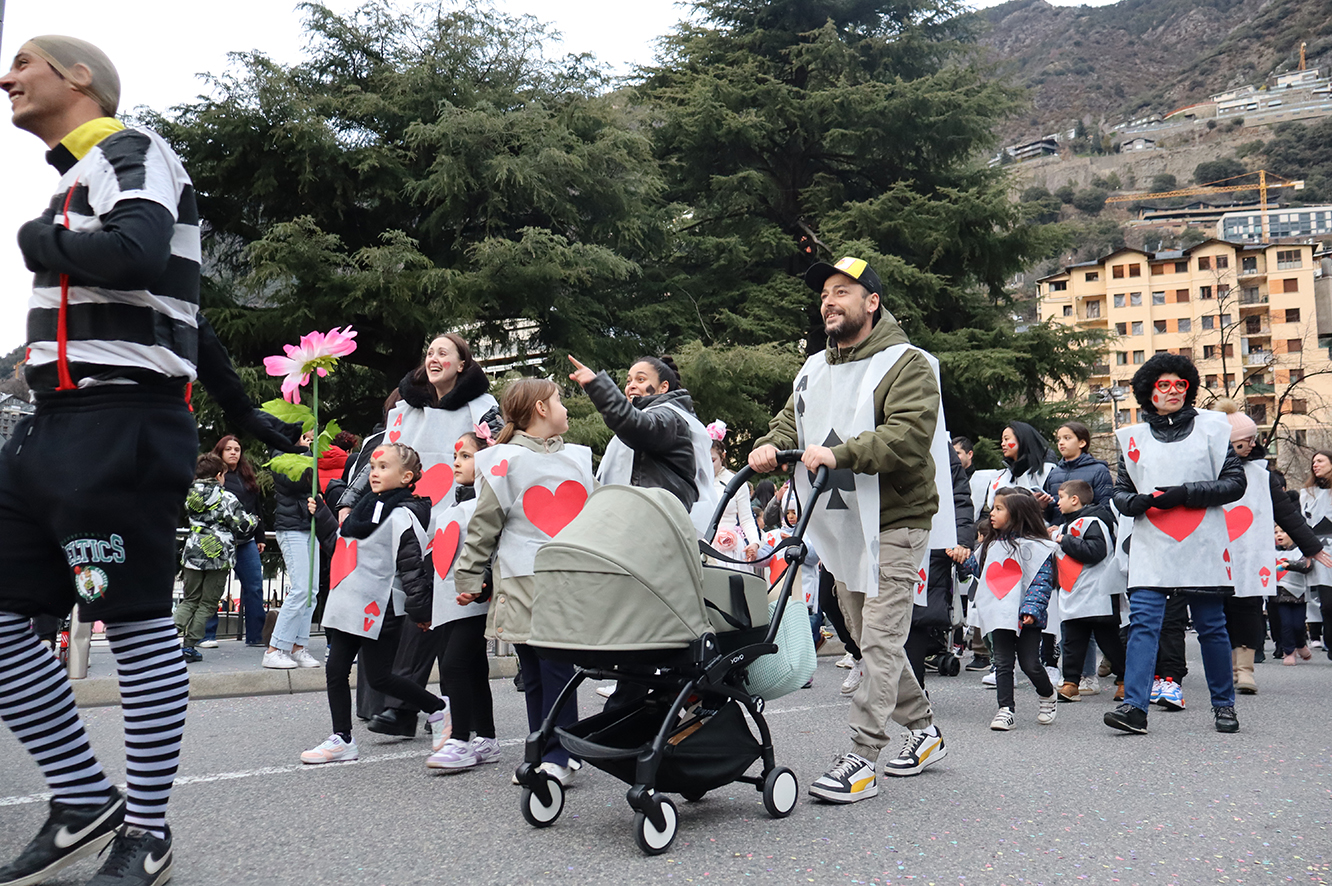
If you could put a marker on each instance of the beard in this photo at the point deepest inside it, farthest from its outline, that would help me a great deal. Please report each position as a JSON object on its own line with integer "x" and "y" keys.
{"x": 845, "y": 326}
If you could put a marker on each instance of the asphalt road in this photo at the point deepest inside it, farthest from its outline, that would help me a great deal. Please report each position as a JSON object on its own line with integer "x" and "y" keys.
{"x": 1040, "y": 805}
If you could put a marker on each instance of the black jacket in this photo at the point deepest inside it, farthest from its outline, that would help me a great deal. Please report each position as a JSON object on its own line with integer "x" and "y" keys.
{"x": 290, "y": 513}
{"x": 249, "y": 499}
{"x": 1286, "y": 512}
{"x": 937, "y": 611}
{"x": 412, "y": 568}
{"x": 1227, "y": 487}
{"x": 663, "y": 448}
{"x": 1092, "y": 470}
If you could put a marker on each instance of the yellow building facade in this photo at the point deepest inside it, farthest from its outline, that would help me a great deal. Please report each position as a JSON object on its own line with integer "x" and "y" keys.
{"x": 1244, "y": 313}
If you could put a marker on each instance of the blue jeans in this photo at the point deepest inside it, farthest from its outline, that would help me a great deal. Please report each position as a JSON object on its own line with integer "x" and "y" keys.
{"x": 293, "y": 622}
{"x": 250, "y": 573}
{"x": 1146, "y": 612}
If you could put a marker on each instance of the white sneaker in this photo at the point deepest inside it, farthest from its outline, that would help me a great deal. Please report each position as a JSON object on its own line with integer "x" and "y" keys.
{"x": 1056, "y": 676}
{"x": 304, "y": 659}
{"x": 279, "y": 660}
{"x": 332, "y": 750}
{"x": 1089, "y": 686}
{"x": 441, "y": 726}
{"x": 1313, "y": 644}
{"x": 487, "y": 750}
{"x": 989, "y": 680}
{"x": 455, "y": 756}
{"x": 850, "y": 780}
{"x": 563, "y": 774}
{"x": 1003, "y": 720}
{"x": 853, "y": 678}
{"x": 1049, "y": 710}
{"x": 847, "y": 661}
{"x": 207, "y": 644}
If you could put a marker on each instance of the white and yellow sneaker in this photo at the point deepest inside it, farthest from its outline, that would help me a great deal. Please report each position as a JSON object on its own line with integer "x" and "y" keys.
{"x": 850, "y": 780}
{"x": 923, "y": 747}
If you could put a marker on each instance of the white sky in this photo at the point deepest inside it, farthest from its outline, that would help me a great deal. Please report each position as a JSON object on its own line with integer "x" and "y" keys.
{"x": 160, "y": 72}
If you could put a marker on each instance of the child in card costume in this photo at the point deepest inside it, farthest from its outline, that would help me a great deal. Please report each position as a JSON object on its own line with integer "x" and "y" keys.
{"x": 464, "y": 668}
{"x": 868, "y": 408}
{"x": 376, "y": 559}
{"x": 1291, "y": 577}
{"x": 1015, "y": 579}
{"x": 529, "y": 486}
{"x": 1176, "y": 471}
{"x": 1085, "y": 559}
{"x": 1254, "y": 561}
{"x": 1316, "y": 503}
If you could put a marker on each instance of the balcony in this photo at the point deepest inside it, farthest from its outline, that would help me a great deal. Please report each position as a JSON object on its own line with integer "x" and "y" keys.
{"x": 1251, "y": 273}
{"x": 1099, "y": 369}
{"x": 1258, "y": 358}
{"x": 1259, "y": 389}
{"x": 1252, "y": 297}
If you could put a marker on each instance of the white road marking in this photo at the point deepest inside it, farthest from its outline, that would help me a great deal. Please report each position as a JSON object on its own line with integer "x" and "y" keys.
{"x": 184, "y": 780}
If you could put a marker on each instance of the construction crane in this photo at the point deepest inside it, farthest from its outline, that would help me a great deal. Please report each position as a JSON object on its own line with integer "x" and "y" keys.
{"x": 1220, "y": 187}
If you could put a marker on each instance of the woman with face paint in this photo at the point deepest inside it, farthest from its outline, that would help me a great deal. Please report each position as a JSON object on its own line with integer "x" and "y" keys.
{"x": 1027, "y": 463}
{"x": 1176, "y": 470}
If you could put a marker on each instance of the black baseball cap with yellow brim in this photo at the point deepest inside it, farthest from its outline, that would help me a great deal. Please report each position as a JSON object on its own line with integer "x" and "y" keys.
{"x": 856, "y": 268}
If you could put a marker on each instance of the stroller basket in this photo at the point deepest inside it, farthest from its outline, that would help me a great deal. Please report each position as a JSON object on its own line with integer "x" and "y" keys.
{"x": 697, "y": 757}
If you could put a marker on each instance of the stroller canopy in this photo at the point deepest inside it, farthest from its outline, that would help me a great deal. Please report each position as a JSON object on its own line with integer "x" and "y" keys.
{"x": 625, "y": 575}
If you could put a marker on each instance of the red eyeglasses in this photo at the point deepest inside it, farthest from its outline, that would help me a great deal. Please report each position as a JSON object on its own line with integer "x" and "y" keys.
{"x": 1166, "y": 386}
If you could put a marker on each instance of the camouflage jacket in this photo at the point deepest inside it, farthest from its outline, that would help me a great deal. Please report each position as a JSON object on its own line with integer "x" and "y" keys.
{"x": 216, "y": 517}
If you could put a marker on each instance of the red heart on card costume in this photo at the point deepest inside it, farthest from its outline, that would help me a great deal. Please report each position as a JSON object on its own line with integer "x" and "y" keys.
{"x": 394, "y": 436}
{"x": 436, "y": 483}
{"x": 1069, "y": 570}
{"x": 444, "y": 547}
{"x": 1238, "y": 521}
{"x": 1178, "y": 523}
{"x": 1003, "y": 577}
{"x": 344, "y": 561}
{"x": 551, "y": 511}
{"x": 1133, "y": 451}
{"x": 372, "y": 608}
{"x": 1265, "y": 575}
{"x": 1282, "y": 572}
{"x": 501, "y": 469}
{"x": 1226, "y": 557}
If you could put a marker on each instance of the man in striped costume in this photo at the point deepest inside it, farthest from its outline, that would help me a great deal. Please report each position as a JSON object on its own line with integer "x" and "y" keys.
{"x": 91, "y": 486}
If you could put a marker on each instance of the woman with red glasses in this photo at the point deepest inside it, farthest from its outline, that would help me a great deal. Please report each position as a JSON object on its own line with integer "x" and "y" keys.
{"x": 1176, "y": 470}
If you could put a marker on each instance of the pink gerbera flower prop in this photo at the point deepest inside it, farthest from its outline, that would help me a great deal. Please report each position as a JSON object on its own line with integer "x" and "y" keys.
{"x": 317, "y": 352}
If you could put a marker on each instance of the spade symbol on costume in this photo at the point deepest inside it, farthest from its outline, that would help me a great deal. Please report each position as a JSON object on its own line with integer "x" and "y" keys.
{"x": 843, "y": 480}
{"x": 800, "y": 401}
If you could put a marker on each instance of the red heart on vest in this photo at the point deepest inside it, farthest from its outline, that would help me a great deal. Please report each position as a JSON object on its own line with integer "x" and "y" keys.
{"x": 1076, "y": 530}
{"x": 1238, "y": 521}
{"x": 501, "y": 469}
{"x": 344, "y": 561}
{"x": 1178, "y": 523}
{"x": 1282, "y": 572}
{"x": 436, "y": 483}
{"x": 1069, "y": 570}
{"x": 1265, "y": 575}
{"x": 394, "y": 436}
{"x": 444, "y": 547}
{"x": 1225, "y": 555}
{"x": 1133, "y": 451}
{"x": 1003, "y": 577}
{"x": 551, "y": 511}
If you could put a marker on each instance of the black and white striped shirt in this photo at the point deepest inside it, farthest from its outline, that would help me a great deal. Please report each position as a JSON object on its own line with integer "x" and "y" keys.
{"x": 135, "y": 326}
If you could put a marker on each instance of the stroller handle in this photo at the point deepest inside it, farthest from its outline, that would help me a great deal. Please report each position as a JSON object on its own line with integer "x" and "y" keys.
{"x": 784, "y": 457}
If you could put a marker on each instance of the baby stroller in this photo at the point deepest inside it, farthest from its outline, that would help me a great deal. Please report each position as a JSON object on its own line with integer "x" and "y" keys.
{"x": 625, "y": 596}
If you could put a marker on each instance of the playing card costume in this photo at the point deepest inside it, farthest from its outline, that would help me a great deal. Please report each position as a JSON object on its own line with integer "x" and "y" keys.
{"x": 1316, "y": 503}
{"x": 91, "y": 485}
{"x": 1185, "y": 456}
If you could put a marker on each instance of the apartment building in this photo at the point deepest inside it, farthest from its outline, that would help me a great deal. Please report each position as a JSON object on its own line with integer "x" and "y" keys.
{"x": 1244, "y": 313}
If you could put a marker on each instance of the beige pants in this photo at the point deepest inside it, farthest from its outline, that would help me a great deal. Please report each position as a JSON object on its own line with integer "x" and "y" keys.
{"x": 880, "y": 624}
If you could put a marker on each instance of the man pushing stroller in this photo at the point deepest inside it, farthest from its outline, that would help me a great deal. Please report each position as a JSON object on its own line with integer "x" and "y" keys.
{"x": 869, "y": 409}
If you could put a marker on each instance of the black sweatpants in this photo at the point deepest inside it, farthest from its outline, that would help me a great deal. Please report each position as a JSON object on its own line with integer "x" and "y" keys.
{"x": 1292, "y": 635}
{"x": 1170, "y": 652}
{"x": 1244, "y": 622}
{"x": 1077, "y": 633}
{"x": 831, "y": 609}
{"x": 1325, "y": 607}
{"x": 417, "y": 653}
{"x": 464, "y": 676}
{"x": 1026, "y": 648}
{"x": 376, "y": 657}
{"x": 919, "y": 641}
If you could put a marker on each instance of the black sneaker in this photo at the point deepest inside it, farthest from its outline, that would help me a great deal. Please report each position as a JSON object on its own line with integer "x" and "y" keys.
{"x": 1226, "y": 721}
{"x": 1128, "y": 718}
{"x": 979, "y": 663}
{"x": 191, "y": 655}
{"x": 393, "y": 722}
{"x": 70, "y": 833}
{"x": 137, "y": 859}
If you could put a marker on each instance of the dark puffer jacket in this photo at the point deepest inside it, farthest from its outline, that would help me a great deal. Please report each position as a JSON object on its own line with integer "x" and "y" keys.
{"x": 290, "y": 511}
{"x": 663, "y": 448}
{"x": 1094, "y": 471}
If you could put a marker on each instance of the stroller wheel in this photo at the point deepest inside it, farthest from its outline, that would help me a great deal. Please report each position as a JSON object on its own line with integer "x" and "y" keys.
{"x": 780, "y": 790}
{"x": 538, "y": 812}
{"x": 646, "y": 835}
{"x": 949, "y": 666}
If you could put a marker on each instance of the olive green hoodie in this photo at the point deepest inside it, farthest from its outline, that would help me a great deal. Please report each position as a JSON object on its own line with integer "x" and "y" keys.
{"x": 906, "y": 410}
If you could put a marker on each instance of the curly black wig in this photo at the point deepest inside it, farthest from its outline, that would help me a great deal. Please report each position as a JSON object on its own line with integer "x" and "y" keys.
{"x": 1144, "y": 380}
